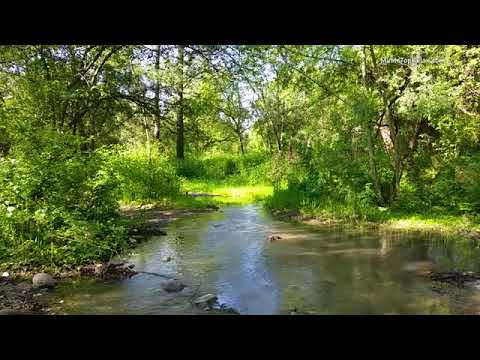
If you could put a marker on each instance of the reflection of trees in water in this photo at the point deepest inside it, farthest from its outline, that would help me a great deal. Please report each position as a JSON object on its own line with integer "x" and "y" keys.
{"x": 357, "y": 281}
{"x": 246, "y": 280}
{"x": 341, "y": 273}
{"x": 455, "y": 255}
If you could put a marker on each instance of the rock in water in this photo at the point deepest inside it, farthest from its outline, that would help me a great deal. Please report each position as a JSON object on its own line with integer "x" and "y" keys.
{"x": 474, "y": 284}
{"x": 167, "y": 259}
{"x": 173, "y": 285}
{"x": 43, "y": 280}
{"x": 274, "y": 238}
{"x": 207, "y": 300}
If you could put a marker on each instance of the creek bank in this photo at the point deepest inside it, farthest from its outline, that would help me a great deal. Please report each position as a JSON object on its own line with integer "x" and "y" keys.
{"x": 20, "y": 297}
{"x": 24, "y": 294}
{"x": 152, "y": 221}
{"x": 356, "y": 222}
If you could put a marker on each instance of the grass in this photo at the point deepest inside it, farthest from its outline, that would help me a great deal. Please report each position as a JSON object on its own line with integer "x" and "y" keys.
{"x": 230, "y": 193}
{"x": 448, "y": 225}
{"x": 328, "y": 211}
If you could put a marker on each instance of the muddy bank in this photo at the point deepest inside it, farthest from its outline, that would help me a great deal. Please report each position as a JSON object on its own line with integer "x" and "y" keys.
{"x": 19, "y": 297}
{"x": 24, "y": 294}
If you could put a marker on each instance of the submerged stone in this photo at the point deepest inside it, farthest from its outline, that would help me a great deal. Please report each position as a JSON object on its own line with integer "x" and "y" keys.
{"x": 173, "y": 285}
{"x": 274, "y": 238}
{"x": 206, "y": 300}
{"x": 43, "y": 280}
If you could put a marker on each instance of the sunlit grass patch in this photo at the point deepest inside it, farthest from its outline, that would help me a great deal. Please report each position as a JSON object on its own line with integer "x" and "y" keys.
{"x": 228, "y": 193}
{"x": 350, "y": 213}
{"x": 446, "y": 224}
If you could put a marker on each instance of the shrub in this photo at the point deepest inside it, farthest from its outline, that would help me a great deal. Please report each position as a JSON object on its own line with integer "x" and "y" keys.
{"x": 57, "y": 203}
{"x": 140, "y": 177}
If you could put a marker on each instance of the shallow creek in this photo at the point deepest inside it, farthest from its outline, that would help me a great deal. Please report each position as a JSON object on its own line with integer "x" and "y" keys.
{"x": 313, "y": 270}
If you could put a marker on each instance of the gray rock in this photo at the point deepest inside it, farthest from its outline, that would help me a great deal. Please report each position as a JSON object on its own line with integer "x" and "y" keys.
{"x": 173, "y": 285}
{"x": 43, "y": 280}
{"x": 474, "y": 284}
{"x": 207, "y": 300}
{"x": 167, "y": 259}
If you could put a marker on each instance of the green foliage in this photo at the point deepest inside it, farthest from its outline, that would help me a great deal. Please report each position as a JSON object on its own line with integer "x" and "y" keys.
{"x": 141, "y": 176}
{"x": 57, "y": 204}
{"x": 250, "y": 169}
{"x": 310, "y": 122}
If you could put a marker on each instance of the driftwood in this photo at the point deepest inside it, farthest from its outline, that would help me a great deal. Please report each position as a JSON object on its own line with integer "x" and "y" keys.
{"x": 454, "y": 277}
{"x": 109, "y": 270}
{"x": 155, "y": 274}
{"x": 148, "y": 230}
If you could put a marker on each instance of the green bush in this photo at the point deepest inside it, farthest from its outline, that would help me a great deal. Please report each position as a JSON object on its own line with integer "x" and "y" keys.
{"x": 141, "y": 177}
{"x": 250, "y": 169}
{"x": 57, "y": 203}
{"x": 190, "y": 168}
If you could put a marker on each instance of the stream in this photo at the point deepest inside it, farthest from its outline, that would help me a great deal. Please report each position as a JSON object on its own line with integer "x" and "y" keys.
{"x": 322, "y": 270}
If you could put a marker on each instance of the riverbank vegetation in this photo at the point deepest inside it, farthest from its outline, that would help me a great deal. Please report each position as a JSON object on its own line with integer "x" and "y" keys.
{"x": 384, "y": 134}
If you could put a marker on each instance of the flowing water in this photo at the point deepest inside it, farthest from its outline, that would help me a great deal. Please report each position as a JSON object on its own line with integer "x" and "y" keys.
{"x": 313, "y": 270}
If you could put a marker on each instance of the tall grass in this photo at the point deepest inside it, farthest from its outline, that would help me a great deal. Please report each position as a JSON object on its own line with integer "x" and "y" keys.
{"x": 143, "y": 176}
{"x": 354, "y": 211}
{"x": 150, "y": 178}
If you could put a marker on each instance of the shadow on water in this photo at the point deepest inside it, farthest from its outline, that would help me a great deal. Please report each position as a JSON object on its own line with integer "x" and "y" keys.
{"x": 321, "y": 271}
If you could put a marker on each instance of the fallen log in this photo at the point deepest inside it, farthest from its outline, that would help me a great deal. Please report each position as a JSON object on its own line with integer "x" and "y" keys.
{"x": 455, "y": 277}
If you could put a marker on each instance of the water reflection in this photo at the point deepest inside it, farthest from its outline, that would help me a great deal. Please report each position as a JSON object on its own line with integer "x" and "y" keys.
{"x": 322, "y": 271}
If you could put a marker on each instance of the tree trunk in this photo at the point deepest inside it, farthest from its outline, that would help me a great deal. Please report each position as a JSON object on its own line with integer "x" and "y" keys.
{"x": 242, "y": 147}
{"x": 149, "y": 150}
{"x": 180, "y": 127}
{"x": 396, "y": 158}
{"x": 156, "y": 131}
{"x": 372, "y": 166}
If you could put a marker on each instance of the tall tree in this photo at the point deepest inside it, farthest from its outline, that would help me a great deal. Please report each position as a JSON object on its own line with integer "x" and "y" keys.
{"x": 180, "y": 102}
